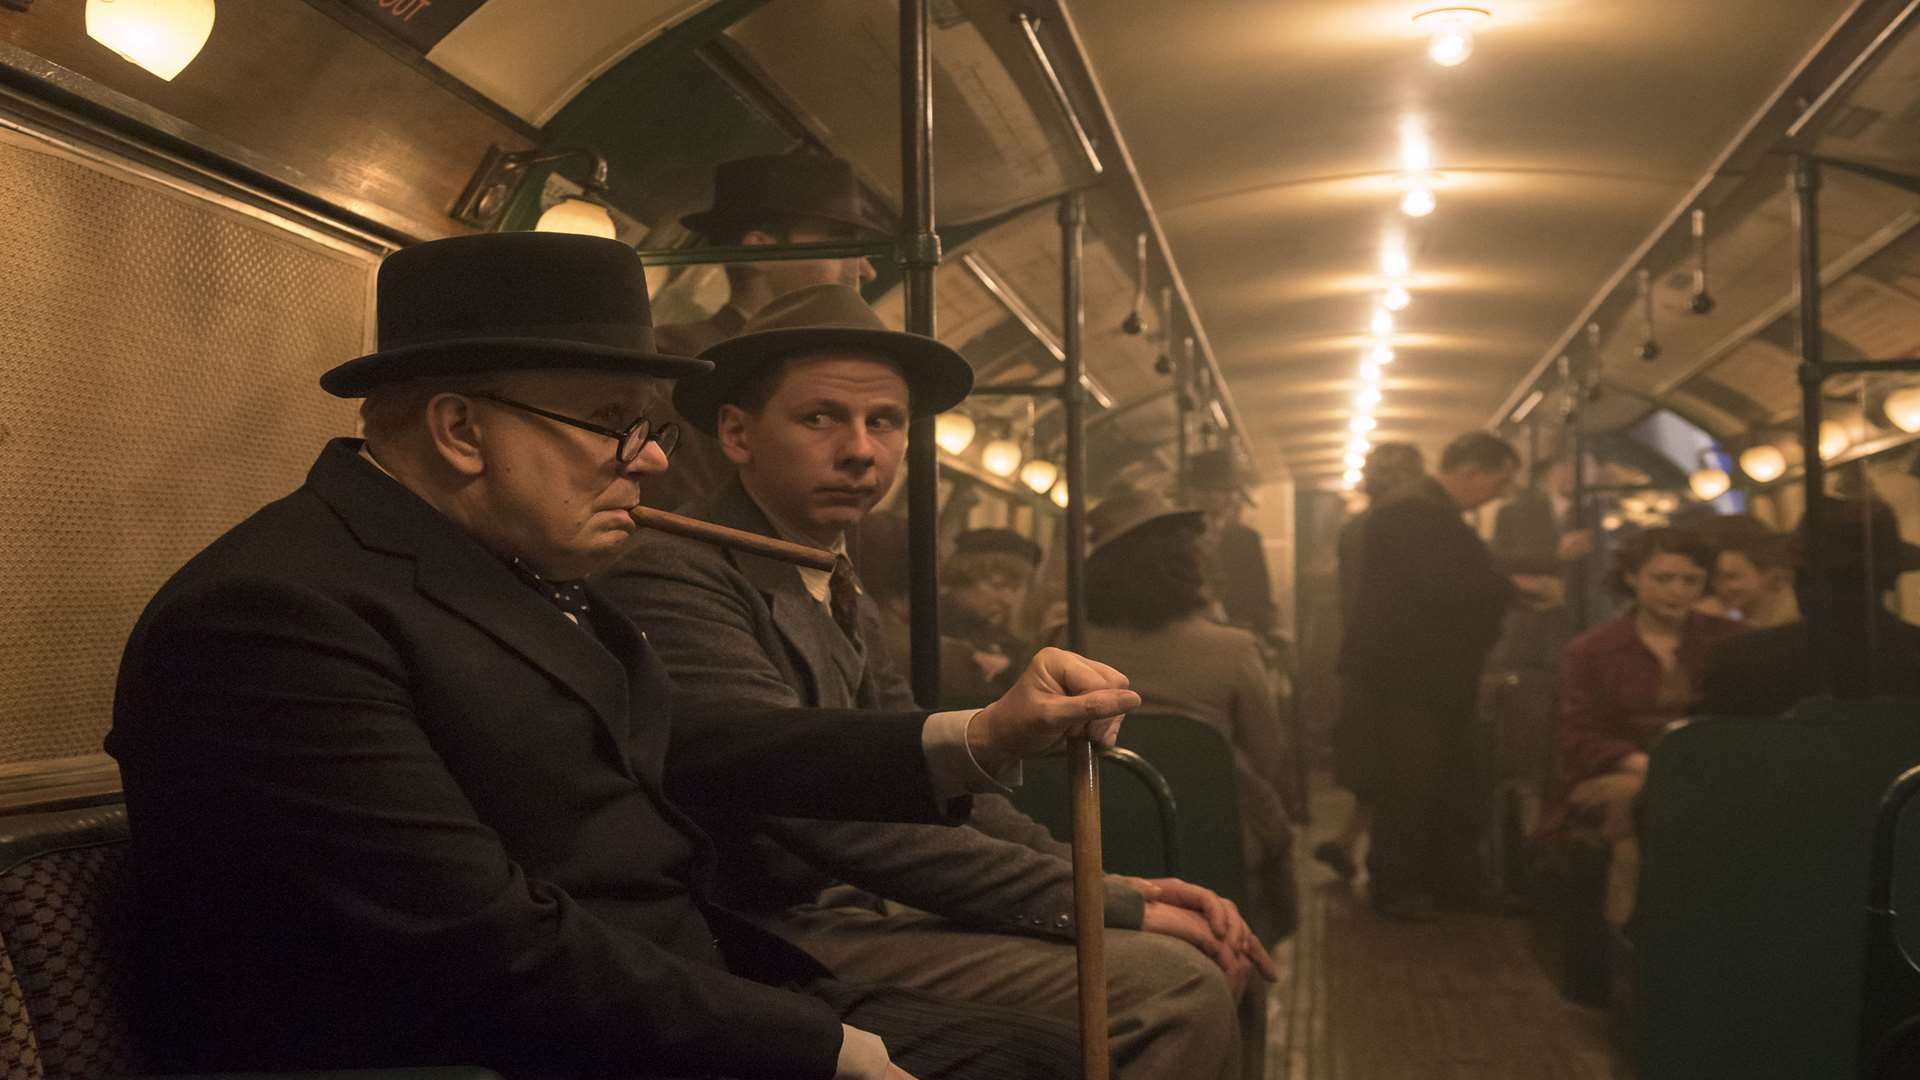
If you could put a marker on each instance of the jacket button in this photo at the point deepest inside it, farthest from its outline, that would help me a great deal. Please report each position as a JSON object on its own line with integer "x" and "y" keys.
{"x": 1061, "y": 922}
{"x": 1039, "y": 920}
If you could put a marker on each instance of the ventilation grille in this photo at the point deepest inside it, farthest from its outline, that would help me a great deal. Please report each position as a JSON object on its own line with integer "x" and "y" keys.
{"x": 159, "y": 385}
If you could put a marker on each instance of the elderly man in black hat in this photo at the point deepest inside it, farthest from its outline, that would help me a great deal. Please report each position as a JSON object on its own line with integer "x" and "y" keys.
{"x": 767, "y": 199}
{"x": 403, "y": 790}
{"x": 1872, "y": 652}
{"x": 811, "y": 404}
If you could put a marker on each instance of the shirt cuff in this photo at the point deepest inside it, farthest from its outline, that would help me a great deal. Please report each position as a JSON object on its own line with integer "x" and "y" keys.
{"x": 951, "y": 763}
{"x": 863, "y": 1056}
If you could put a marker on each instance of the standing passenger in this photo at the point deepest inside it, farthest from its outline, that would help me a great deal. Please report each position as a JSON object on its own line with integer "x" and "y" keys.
{"x": 1428, "y": 611}
{"x": 1540, "y": 532}
{"x": 801, "y": 198}
{"x": 1240, "y": 580}
{"x": 811, "y": 405}
{"x": 986, "y": 581}
{"x": 1390, "y": 467}
{"x": 403, "y": 791}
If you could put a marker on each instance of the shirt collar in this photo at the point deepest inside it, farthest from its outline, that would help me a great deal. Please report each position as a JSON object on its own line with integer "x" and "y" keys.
{"x": 817, "y": 582}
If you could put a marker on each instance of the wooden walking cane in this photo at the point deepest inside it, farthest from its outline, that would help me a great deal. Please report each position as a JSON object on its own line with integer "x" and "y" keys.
{"x": 1089, "y": 908}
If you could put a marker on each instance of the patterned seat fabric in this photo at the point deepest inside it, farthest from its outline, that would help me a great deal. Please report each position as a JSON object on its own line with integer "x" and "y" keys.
{"x": 62, "y": 1014}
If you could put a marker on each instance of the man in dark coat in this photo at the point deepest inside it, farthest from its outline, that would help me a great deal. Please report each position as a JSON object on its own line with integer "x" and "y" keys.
{"x": 767, "y": 199}
{"x": 1390, "y": 467}
{"x": 1428, "y": 610}
{"x": 1540, "y": 532}
{"x": 811, "y": 404}
{"x": 1873, "y": 653}
{"x": 1241, "y": 582}
{"x": 403, "y": 792}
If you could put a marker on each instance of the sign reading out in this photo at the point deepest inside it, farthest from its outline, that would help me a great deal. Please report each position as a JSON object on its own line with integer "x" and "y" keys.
{"x": 419, "y": 23}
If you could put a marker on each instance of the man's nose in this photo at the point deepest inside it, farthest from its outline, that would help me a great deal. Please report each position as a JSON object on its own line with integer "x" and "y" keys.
{"x": 651, "y": 462}
{"x": 859, "y": 449}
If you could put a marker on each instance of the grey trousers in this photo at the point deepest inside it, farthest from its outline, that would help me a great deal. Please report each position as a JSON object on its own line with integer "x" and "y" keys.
{"x": 1169, "y": 1013}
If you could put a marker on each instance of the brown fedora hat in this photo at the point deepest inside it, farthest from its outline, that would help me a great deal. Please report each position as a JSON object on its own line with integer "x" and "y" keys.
{"x": 509, "y": 301}
{"x": 772, "y": 187}
{"x": 818, "y": 318}
{"x": 1129, "y": 509}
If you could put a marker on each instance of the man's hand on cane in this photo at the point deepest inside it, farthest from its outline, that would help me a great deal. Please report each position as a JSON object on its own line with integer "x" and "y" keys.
{"x": 1061, "y": 695}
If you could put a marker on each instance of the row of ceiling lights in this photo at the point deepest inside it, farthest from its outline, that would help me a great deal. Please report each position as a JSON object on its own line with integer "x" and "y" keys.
{"x": 1450, "y": 44}
{"x": 1765, "y": 462}
{"x": 954, "y": 432}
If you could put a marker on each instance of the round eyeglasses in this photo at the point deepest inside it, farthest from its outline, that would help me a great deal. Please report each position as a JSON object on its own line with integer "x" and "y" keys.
{"x": 629, "y": 444}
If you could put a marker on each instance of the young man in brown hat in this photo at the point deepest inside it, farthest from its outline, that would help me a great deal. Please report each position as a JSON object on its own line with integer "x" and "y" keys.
{"x": 403, "y": 791}
{"x": 767, "y": 199}
{"x": 811, "y": 404}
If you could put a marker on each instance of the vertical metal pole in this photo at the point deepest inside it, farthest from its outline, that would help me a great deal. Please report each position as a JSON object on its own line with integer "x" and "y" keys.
{"x": 1182, "y": 415}
{"x": 919, "y": 253}
{"x": 1577, "y": 424}
{"x": 1089, "y": 891}
{"x": 1806, "y": 190}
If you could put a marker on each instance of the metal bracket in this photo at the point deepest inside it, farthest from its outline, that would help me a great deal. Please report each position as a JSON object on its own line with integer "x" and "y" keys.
{"x": 917, "y": 249}
{"x": 486, "y": 195}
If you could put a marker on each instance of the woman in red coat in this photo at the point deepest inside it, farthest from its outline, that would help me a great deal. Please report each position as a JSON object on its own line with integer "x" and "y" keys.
{"x": 1627, "y": 678}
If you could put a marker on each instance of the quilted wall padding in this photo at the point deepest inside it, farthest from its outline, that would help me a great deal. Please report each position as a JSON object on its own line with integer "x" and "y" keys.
{"x": 158, "y": 383}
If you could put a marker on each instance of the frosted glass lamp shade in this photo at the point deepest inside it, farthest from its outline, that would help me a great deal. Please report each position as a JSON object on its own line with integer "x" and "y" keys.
{"x": 162, "y": 36}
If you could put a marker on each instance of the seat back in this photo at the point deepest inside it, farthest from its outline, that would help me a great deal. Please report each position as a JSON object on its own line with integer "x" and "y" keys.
{"x": 63, "y": 1010}
{"x": 1195, "y": 763}
{"x": 1755, "y": 855}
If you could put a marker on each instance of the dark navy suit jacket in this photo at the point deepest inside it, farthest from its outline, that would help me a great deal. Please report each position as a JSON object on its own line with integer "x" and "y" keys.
{"x": 389, "y": 805}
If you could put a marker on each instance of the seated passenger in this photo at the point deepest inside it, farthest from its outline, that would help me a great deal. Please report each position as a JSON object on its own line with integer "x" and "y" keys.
{"x": 1147, "y": 604}
{"x": 802, "y": 198}
{"x": 1873, "y": 653}
{"x": 811, "y": 405}
{"x": 402, "y": 791}
{"x": 1752, "y": 572}
{"x": 986, "y": 581}
{"x": 1627, "y": 678}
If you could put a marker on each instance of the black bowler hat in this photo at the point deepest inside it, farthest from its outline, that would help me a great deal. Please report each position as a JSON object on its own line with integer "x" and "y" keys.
{"x": 1861, "y": 535}
{"x": 773, "y": 187}
{"x": 509, "y": 301}
{"x": 816, "y": 319}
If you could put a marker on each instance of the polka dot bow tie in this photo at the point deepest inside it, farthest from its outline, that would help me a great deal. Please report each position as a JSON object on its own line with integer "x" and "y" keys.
{"x": 568, "y": 596}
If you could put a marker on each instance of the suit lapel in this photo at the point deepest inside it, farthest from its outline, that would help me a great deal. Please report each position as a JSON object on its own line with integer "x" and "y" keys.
{"x": 810, "y": 634}
{"x": 456, "y": 572}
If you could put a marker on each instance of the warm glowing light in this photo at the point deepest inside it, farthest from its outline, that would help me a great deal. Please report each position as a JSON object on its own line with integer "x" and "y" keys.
{"x": 1356, "y": 458}
{"x": 578, "y": 216}
{"x": 1359, "y": 444}
{"x": 1451, "y": 30}
{"x": 1360, "y": 425}
{"x": 1039, "y": 474}
{"x": 1709, "y": 484}
{"x": 1351, "y": 480}
{"x": 1396, "y": 298}
{"x": 1001, "y": 457}
{"x": 1381, "y": 354}
{"x": 953, "y": 431}
{"x": 1059, "y": 495}
{"x": 1366, "y": 399}
{"x": 1394, "y": 261}
{"x": 1418, "y": 201}
{"x": 1612, "y": 522}
{"x": 1370, "y": 371}
{"x": 1382, "y": 323}
{"x": 1903, "y": 409}
{"x": 1764, "y": 463}
{"x": 162, "y": 36}
{"x": 1416, "y": 152}
{"x": 1834, "y": 439}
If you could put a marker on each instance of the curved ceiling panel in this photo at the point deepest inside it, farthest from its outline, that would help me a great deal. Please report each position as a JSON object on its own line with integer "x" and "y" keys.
{"x": 532, "y": 56}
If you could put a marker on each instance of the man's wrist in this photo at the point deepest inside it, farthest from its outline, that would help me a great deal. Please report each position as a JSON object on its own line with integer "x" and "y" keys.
{"x": 863, "y": 1056}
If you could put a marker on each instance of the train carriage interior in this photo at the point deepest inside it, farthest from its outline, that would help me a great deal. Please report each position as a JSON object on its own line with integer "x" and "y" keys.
{"x": 1216, "y": 253}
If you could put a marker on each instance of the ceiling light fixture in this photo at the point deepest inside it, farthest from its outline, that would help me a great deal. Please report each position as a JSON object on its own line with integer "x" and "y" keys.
{"x": 1709, "y": 483}
{"x": 1351, "y": 480}
{"x": 1001, "y": 457}
{"x": 484, "y": 202}
{"x": 162, "y": 36}
{"x": 1370, "y": 371}
{"x": 1903, "y": 409}
{"x": 1394, "y": 262}
{"x": 1382, "y": 322}
{"x": 1060, "y": 494}
{"x": 1039, "y": 474}
{"x": 1366, "y": 399}
{"x": 953, "y": 431}
{"x": 1362, "y": 424}
{"x": 1764, "y": 463}
{"x": 1356, "y": 459}
{"x": 1396, "y": 298}
{"x": 1418, "y": 201}
{"x": 1381, "y": 354}
{"x": 1450, "y": 32}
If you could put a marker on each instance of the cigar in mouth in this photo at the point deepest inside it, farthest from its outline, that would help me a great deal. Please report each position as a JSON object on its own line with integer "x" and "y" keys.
{"x": 694, "y": 529}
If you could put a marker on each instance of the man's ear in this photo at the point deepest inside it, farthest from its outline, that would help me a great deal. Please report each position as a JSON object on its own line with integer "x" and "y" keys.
{"x": 453, "y": 428}
{"x": 731, "y": 427}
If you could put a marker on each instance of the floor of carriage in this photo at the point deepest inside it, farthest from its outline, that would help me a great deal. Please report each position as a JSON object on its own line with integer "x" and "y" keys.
{"x": 1365, "y": 998}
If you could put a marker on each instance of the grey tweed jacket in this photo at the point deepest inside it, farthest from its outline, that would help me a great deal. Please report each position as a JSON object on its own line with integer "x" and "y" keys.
{"x": 741, "y": 632}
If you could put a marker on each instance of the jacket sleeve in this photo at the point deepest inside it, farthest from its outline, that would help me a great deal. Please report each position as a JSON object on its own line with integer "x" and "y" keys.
{"x": 961, "y": 874}
{"x": 270, "y": 736}
{"x": 1590, "y": 741}
{"x": 1445, "y": 568}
